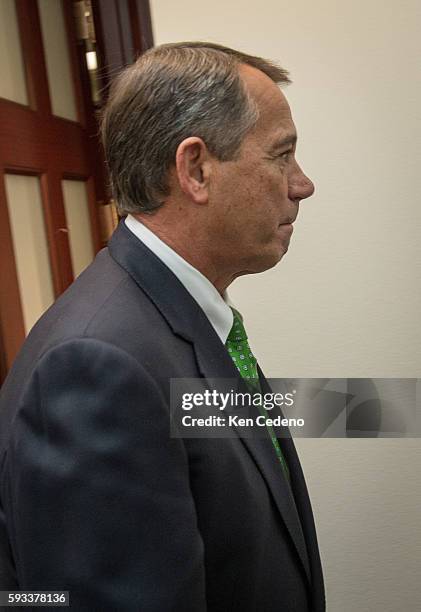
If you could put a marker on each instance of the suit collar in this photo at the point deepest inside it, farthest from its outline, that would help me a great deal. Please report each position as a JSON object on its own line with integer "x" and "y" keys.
{"x": 157, "y": 281}
{"x": 187, "y": 320}
{"x": 200, "y": 288}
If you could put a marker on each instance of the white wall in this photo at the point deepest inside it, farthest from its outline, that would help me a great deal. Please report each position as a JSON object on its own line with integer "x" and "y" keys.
{"x": 345, "y": 301}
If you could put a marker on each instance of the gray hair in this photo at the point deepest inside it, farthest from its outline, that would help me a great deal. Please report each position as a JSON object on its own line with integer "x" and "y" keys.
{"x": 170, "y": 93}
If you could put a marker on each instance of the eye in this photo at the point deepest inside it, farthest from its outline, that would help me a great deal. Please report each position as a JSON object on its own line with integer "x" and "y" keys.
{"x": 285, "y": 156}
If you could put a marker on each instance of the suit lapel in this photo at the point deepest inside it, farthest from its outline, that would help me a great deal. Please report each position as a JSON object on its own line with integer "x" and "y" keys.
{"x": 187, "y": 320}
{"x": 305, "y": 511}
{"x": 297, "y": 485}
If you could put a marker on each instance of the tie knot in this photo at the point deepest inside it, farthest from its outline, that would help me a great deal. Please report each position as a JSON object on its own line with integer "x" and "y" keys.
{"x": 239, "y": 350}
{"x": 238, "y": 332}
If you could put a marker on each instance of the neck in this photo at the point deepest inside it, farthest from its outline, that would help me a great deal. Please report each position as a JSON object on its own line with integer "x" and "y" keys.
{"x": 192, "y": 244}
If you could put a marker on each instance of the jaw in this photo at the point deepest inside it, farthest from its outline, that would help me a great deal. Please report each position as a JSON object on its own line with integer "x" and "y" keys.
{"x": 223, "y": 266}
{"x": 258, "y": 264}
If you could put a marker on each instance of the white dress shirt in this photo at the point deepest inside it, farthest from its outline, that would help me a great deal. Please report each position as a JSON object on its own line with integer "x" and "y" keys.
{"x": 200, "y": 288}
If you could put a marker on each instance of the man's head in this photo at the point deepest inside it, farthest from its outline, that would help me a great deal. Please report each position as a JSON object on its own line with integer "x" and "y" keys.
{"x": 204, "y": 132}
{"x": 172, "y": 92}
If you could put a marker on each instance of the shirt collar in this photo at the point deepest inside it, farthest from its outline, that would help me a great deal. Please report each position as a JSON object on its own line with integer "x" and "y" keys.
{"x": 215, "y": 307}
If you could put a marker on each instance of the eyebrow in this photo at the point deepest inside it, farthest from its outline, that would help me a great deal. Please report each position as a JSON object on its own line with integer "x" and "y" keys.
{"x": 282, "y": 142}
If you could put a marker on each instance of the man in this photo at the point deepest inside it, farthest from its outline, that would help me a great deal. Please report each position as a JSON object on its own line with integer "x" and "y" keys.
{"x": 96, "y": 497}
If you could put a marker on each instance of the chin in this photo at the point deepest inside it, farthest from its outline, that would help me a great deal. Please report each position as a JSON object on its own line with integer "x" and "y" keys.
{"x": 277, "y": 260}
{"x": 276, "y": 255}
{"x": 267, "y": 262}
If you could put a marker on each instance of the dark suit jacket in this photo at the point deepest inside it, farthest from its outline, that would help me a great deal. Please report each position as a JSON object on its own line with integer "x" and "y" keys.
{"x": 97, "y": 498}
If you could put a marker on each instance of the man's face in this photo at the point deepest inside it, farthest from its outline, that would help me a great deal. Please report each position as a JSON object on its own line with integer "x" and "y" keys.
{"x": 255, "y": 199}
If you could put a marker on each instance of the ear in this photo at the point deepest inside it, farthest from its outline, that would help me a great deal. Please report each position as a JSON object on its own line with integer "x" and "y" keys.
{"x": 193, "y": 166}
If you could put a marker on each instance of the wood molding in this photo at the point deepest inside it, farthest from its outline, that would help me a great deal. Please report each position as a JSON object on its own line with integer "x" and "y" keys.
{"x": 11, "y": 315}
{"x": 33, "y": 55}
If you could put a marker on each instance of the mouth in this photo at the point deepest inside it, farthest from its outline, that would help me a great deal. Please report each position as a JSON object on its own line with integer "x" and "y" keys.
{"x": 289, "y": 220}
{"x": 287, "y": 227}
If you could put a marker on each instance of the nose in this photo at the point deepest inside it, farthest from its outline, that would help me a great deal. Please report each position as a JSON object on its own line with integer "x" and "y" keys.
{"x": 300, "y": 186}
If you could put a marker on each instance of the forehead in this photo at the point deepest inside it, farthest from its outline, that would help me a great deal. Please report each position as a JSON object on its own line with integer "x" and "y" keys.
{"x": 275, "y": 118}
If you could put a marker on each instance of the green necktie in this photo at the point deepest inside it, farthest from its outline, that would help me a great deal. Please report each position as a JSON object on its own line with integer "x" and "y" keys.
{"x": 242, "y": 356}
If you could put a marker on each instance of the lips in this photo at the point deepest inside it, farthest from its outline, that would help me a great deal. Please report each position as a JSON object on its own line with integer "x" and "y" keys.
{"x": 288, "y": 221}
{"x": 287, "y": 227}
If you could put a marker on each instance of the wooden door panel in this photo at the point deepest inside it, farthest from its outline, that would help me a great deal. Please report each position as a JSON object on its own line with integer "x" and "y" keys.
{"x": 35, "y": 142}
{"x": 12, "y": 328}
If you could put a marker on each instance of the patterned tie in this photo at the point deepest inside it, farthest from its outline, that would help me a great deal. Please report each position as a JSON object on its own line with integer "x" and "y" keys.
{"x": 242, "y": 356}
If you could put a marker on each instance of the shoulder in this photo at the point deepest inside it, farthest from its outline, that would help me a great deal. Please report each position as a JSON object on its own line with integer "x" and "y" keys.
{"x": 76, "y": 381}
